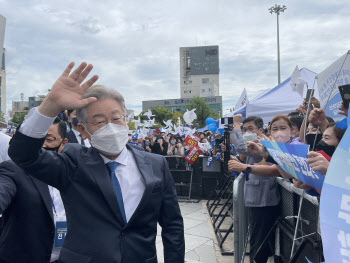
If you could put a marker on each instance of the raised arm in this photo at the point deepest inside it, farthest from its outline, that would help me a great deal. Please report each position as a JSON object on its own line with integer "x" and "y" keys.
{"x": 26, "y": 146}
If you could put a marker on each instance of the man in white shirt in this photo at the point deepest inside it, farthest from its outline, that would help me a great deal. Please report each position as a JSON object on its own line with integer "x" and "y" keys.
{"x": 31, "y": 209}
{"x": 74, "y": 135}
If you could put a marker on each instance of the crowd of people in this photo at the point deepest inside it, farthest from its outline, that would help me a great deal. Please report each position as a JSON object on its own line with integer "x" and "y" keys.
{"x": 307, "y": 124}
{"x": 73, "y": 164}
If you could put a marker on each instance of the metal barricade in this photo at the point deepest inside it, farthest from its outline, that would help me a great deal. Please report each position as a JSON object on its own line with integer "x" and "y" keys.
{"x": 182, "y": 173}
{"x": 297, "y": 233}
{"x": 240, "y": 219}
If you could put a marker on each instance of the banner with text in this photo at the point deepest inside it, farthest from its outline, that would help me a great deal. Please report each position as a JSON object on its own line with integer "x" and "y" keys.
{"x": 292, "y": 158}
{"x": 335, "y": 205}
{"x": 328, "y": 81}
{"x": 192, "y": 139}
{"x": 193, "y": 154}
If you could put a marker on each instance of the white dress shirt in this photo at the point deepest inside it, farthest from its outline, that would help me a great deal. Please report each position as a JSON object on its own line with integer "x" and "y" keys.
{"x": 130, "y": 179}
{"x": 77, "y": 135}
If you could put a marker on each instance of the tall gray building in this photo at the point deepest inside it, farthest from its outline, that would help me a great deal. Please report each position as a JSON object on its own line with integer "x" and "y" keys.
{"x": 2, "y": 68}
{"x": 199, "y": 71}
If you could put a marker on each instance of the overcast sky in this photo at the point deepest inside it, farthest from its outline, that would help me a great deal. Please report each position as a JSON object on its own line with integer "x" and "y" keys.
{"x": 134, "y": 45}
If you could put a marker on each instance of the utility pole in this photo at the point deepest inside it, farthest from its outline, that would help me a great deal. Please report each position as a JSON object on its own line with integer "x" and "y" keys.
{"x": 277, "y": 9}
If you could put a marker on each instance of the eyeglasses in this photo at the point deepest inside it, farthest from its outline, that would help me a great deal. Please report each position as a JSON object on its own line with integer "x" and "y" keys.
{"x": 251, "y": 129}
{"x": 117, "y": 119}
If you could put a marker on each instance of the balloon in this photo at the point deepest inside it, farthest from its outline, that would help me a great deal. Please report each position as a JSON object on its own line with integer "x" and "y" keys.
{"x": 209, "y": 121}
{"x": 212, "y": 127}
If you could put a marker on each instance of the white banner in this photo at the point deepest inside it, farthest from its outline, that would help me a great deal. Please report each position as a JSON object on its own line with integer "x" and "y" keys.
{"x": 243, "y": 100}
{"x": 329, "y": 80}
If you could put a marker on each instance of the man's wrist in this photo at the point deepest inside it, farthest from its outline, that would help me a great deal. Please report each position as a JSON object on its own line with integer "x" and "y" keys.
{"x": 48, "y": 108}
{"x": 237, "y": 126}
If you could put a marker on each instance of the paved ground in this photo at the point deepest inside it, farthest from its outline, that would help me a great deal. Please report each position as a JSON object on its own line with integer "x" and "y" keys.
{"x": 200, "y": 242}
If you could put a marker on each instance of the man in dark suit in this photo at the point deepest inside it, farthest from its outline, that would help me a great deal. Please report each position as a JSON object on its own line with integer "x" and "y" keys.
{"x": 114, "y": 195}
{"x": 74, "y": 135}
{"x": 25, "y": 202}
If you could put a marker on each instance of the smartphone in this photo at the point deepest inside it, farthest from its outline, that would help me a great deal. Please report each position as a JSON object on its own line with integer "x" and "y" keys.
{"x": 309, "y": 94}
{"x": 345, "y": 94}
{"x": 227, "y": 120}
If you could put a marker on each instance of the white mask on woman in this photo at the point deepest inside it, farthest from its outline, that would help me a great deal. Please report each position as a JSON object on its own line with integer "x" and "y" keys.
{"x": 110, "y": 139}
{"x": 281, "y": 136}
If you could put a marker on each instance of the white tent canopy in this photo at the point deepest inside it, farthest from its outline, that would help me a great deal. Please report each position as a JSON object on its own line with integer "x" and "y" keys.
{"x": 278, "y": 100}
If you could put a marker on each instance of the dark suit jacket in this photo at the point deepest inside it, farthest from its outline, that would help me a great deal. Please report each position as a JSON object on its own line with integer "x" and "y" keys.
{"x": 29, "y": 229}
{"x": 96, "y": 231}
{"x": 71, "y": 137}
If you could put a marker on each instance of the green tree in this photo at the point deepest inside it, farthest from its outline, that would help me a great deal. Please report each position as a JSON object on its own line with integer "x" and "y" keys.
{"x": 131, "y": 125}
{"x": 176, "y": 115}
{"x": 18, "y": 117}
{"x": 202, "y": 110}
{"x": 161, "y": 114}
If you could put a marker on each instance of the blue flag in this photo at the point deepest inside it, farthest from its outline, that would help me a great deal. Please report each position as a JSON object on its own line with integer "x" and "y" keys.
{"x": 292, "y": 158}
{"x": 335, "y": 205}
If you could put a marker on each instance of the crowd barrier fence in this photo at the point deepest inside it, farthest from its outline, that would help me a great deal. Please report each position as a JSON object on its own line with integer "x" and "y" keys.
{"x": 297, "y": 228}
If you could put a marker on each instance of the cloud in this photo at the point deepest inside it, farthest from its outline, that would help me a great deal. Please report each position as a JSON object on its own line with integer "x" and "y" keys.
{"x": 134, "y": 46}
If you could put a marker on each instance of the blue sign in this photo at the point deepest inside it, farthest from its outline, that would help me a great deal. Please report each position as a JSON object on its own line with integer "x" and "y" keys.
{"x": 335, "y": 205}
{"x": 60, "y": 233}
{"x": 292, "y": 158}
{"x": 9, "y": 128}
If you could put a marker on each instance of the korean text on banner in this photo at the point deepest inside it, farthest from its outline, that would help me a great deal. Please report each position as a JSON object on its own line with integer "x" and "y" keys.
{"x": 193, "y": 154}
{"x": 292, "y": 158}
{"x": 328, "y": 81}
{"x": 192, "y": 139}
{"x": 335, "y": 205}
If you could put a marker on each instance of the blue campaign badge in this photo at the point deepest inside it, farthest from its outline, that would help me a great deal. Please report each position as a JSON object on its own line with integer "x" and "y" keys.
{"x": 60, "y": 233}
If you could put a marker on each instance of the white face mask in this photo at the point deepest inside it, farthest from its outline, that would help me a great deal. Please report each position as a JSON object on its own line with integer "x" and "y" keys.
{"x": 173, "y": 141}
{"x": 249, "y": 136}
{"x": 110, "y": 139}
{"x": 281, "y": 136}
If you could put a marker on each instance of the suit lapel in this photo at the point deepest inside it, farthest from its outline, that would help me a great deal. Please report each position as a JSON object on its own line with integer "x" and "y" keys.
{"x": 145, "y": 168}
{"x": 45, "y": 194}
{"x": 101, "y": 175}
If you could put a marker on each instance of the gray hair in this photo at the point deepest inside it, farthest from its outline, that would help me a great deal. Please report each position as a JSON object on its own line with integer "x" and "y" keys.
{"x": 100, "y": 92}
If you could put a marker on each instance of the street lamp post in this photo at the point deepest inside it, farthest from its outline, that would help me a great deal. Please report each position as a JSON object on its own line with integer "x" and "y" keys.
{"x": 277, "y": 9}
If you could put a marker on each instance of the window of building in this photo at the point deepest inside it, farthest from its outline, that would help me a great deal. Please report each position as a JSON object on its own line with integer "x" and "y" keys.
{"x": 190, "y": 91}
{"x": 203, "y": 90}
{"x": 185, "y": 91}
{"x": 205, "y": 80}
{"x": 187, "y": 81}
